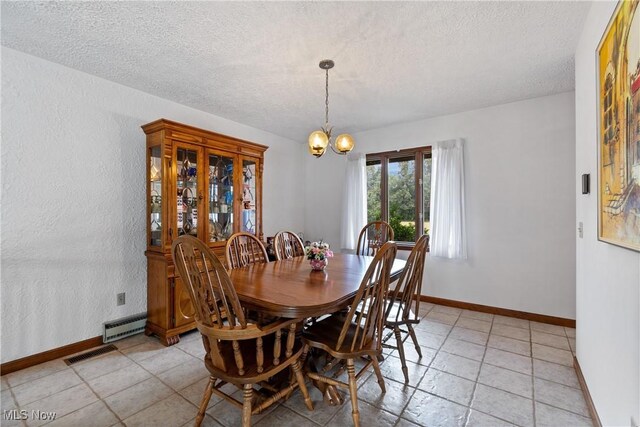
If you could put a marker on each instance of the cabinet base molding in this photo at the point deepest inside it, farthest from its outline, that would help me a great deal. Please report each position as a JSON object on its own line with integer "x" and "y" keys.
{"x": 46, "y": 356}
{"x": 595, "y": 419}
{"x": 541, "y": 318}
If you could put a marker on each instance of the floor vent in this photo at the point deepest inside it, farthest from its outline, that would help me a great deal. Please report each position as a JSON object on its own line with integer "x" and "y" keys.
{"x": 124, "y": 327}
{"x": 90, "y": 354}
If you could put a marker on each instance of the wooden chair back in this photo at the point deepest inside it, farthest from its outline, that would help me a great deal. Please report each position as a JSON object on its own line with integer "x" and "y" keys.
{"x": 373, "y": 236}
{"x": 287, "y": 245}
{"x": 212, "y": 292}
{"x": 372, "y": 291}
{"x": 407, "y": 290}
{"x": 244, "y": 249}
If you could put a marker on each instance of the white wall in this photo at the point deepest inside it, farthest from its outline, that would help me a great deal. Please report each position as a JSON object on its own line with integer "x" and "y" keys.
{"x": 519, "y": 161}
{"x": 73, "y": 193}
{"x": 608, "y": 277}
{"x": 324, "y": 187}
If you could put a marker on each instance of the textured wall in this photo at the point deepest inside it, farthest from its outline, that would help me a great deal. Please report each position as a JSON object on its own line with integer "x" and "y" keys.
{"x": 608, "y": 277}
{"x": 520, "y": 202}
{"x": 73, "y": 193}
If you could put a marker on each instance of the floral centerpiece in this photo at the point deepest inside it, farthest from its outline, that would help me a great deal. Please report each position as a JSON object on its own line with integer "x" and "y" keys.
{"x": 318, "y": 254}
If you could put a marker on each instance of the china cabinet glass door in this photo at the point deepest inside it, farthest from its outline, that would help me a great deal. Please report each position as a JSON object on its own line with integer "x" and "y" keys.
{"x": 187, "y": 191}
{"x": 221, "y": 196}
{"x": 155, "y": 196}
{"x": 248, "y": 219}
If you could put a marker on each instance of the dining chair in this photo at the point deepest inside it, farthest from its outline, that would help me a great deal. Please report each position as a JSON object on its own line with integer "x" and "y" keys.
{"x": 237, "y": 351}
{"x": 356, "y": 335}
{"x": 287, "y": 245}
{"x": 373, "y": 236}
{"x": 244, "y": 249}
{"x": 403, "y": 307}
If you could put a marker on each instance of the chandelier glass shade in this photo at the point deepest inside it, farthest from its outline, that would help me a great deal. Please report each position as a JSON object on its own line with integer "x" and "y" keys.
{"x": 319, "y": 140}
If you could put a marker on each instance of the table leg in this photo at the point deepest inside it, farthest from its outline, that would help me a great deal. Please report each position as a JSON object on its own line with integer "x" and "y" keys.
{"x": 330, "y": 393}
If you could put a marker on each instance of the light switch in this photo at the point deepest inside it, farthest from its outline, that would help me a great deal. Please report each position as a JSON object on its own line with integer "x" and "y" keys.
{"x": 580, "y": 230}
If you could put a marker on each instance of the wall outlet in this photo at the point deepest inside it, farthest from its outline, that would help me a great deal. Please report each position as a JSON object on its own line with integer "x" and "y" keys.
{"x": 580, "y": 230}
{"x": 121, "y": 299}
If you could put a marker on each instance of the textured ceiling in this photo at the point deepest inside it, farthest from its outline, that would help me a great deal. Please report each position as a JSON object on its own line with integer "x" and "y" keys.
{"x": 257, "y": 62}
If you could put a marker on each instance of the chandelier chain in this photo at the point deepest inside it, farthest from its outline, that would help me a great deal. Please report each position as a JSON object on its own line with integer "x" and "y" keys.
{"x": 326, "y": 100}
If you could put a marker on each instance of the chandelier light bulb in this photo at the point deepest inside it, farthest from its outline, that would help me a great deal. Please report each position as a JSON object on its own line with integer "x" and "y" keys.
{"x": 344, "y": 143}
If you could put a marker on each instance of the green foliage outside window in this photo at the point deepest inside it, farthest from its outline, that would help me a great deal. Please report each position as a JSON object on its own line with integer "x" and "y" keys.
{"x": 373, "y": 193}
{"x": 402, "y": 232}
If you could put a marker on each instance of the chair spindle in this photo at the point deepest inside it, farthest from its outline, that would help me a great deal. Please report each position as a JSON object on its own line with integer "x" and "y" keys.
{"x": 259, "y": 355}
{"x": 238, "y": 356}
{"x": 291, "y": 337}
{"x": 277, "y": 347}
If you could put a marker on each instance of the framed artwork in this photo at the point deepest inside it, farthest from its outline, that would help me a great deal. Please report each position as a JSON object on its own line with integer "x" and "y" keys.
{"x": 618, "y": 71}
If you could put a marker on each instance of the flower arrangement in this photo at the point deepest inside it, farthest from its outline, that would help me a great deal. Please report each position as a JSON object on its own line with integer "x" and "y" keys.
{"x": 318, "y": 251}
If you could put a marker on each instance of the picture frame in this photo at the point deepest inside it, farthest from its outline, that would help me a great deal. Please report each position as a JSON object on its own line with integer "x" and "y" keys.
{"x": 618, "y": 94}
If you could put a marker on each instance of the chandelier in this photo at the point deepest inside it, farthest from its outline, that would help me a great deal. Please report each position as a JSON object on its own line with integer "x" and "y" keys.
{"x": 320, "y": 139}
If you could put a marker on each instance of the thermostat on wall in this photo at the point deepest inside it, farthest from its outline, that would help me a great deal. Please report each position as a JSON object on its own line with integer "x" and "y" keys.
{"x": 585, "y": 183}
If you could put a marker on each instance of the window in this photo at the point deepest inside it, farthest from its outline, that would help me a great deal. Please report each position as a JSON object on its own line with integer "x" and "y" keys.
{"x": 374, "y": 196}
{"x": 399, "y": 190}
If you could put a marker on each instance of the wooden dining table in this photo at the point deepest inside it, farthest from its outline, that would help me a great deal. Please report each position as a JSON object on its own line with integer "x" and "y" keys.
{"x": 290, "y": 289}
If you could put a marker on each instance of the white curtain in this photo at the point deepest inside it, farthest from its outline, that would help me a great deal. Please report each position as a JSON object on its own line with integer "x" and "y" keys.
{"x": 354, "y": 211}
{"x": 448, "y": 233}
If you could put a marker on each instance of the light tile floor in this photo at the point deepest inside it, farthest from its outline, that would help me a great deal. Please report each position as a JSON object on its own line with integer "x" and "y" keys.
{"x": 476, "y": 369}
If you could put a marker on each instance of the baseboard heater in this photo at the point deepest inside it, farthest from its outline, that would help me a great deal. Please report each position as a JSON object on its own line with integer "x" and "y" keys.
{"x": 125, "y": 327}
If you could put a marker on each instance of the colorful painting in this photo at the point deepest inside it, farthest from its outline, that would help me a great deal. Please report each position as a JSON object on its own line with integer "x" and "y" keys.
{"x": 619, "y": 128}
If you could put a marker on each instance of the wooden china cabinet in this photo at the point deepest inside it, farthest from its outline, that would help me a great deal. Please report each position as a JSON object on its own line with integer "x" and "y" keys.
{"x": 199, "y": 183}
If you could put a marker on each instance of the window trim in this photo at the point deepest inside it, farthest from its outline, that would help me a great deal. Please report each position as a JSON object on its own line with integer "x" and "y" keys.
{"x": 419, "y": 154}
